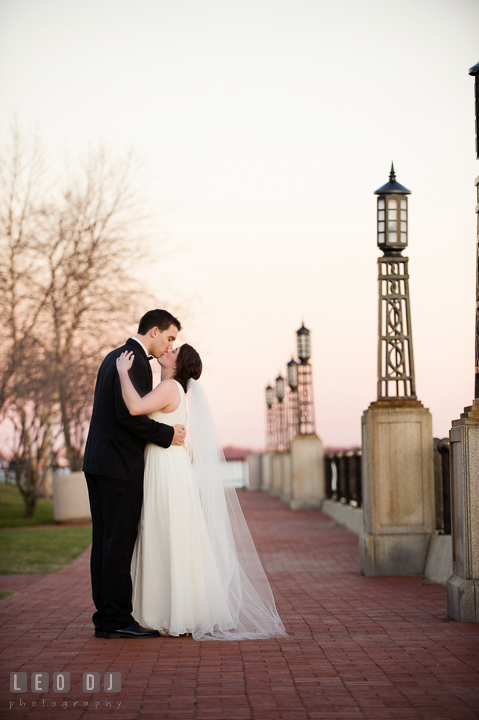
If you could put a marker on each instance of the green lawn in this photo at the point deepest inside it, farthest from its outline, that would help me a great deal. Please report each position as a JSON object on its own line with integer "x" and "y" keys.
{"x": 12, "y": 509}
{"x": 41, "y": 551}
{"x": 6, "y": 593}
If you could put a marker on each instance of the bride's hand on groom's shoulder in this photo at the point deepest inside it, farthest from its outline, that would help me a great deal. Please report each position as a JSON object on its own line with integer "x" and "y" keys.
{"x": 124, "y": 362}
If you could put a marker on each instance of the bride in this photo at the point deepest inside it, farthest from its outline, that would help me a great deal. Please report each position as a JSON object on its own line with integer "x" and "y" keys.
{"x": 195, "y": 568}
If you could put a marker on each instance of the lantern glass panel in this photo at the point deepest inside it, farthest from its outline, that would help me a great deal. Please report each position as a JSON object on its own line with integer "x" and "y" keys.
{"x": 293, "y": 376}
{"x": 303, "y": 347}
{"x": 269, "y": 396}
{"x": 392, "y": 222}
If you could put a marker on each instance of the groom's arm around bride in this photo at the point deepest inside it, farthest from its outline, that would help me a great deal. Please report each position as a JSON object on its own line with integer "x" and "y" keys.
{"x": 116, "y": 439}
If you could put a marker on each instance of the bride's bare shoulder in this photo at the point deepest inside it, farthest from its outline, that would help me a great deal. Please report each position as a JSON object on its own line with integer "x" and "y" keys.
{"x": 168, "y": 395}
{"x": 169, "y": 390}
{"x": 168, "y": 386}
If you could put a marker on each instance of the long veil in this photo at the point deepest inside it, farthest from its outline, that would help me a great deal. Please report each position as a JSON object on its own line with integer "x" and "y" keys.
{"x": 246, "y": 588}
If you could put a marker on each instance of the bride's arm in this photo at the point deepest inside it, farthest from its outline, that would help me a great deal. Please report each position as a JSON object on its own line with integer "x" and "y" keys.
{"x": 157, "y": 399}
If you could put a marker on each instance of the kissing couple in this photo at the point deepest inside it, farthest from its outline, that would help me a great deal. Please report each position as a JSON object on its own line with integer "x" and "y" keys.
{"x": 171, "y": 552}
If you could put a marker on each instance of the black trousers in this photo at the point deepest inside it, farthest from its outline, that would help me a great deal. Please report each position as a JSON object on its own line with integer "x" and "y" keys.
{"x": 115, "y": 510}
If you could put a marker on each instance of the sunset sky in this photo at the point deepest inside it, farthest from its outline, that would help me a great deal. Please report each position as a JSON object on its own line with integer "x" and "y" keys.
{"x": 265, "y": 126}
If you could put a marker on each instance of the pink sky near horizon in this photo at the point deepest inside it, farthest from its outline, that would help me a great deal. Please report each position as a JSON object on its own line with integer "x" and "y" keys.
{"x": 265, "y": 127}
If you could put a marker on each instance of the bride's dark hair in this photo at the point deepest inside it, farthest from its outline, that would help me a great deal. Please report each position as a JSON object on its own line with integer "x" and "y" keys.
{"x": 188, "y": 365}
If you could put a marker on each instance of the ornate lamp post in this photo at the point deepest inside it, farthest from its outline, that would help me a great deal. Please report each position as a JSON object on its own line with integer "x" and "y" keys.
{"x": 307, "y": 459}
{"x": 474, "y": 71}
{"x": 270, "y": 433}
{"x": 463, "y": 585}
{"x": 282, "y": 428}
{"x": 305, "y": 383}
{"x": 293, "y": 382}
{"x": 397, "y": 467}
{"x": 395, "y": 350}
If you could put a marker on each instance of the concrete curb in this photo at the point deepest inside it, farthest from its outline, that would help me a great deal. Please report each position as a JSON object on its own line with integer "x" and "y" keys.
{"x": 439, "y": 555}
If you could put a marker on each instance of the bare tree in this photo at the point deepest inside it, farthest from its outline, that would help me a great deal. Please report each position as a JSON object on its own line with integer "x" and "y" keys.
{"x": 92, "y": 244}
{"x": 30, "y": 406}
{"x": 26, "y": 396}
{"x": 23, "y": 297}
{"x": 66, "y": 295}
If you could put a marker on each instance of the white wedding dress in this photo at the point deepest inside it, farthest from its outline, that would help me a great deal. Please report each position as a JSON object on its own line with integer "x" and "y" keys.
{"x": 188, "y": 574}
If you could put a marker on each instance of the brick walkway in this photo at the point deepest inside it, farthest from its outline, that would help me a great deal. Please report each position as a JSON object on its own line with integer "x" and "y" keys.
{"x": 374, "y": 648}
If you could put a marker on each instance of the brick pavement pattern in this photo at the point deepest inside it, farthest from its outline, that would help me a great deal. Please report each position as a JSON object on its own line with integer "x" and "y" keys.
{"x": 373, "y": 648}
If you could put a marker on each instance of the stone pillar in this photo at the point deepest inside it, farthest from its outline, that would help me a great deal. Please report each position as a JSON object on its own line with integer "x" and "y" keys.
{"x": 254, "y": 467}
{"x": 266, "y": 470}
{"x": 463, "y": 585}
{"x": 397, "y": 486}
{"x": 287, "y": 478}
{"x": 307, "y": 472}
{"x": 70, "y": 498}
{"x": 277, "y": 478}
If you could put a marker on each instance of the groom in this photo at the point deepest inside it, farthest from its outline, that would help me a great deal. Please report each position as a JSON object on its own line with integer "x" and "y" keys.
{"x": 113, "y": 467}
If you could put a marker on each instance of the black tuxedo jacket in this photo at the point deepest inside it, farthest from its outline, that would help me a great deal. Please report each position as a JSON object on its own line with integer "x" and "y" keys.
{"x": 116, "y": 440}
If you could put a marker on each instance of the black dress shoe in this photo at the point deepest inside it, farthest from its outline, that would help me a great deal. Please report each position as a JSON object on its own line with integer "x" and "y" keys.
{"x": 98, "y": 631}
{"x": 132, "y": 631}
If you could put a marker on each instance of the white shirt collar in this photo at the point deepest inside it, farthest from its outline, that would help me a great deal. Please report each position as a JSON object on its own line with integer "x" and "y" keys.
{"x": 141, "y": 345}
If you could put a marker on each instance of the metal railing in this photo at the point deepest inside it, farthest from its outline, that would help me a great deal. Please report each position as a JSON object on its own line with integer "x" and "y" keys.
{"x": 343, "y": 477}
{"x": 442, "y": 486}
{"x": 343, "y": 481}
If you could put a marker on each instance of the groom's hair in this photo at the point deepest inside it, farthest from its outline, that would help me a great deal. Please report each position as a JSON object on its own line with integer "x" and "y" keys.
{"x": 161, "y": 319}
